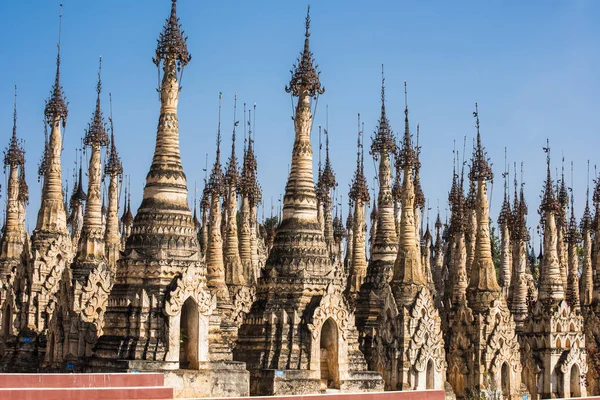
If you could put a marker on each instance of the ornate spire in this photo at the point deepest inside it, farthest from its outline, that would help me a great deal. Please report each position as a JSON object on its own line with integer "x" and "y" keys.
{"x": 328, "y": 183}
{"x": 23, "y": 188}
{"x": 519, "y": 216}
{"x": 481, "y": 169}
{"x": 232, "y": 175}
{"x": 359, "y": 194}
{"x": 113, "y": 166}
{"x": 505, "y": 211}
{"x": 128, "y": 216}
{"x": 384, "y": 141}
{"x": 43, "y": 164}
{"x": 78, "y": 193}
{"x": 214, "y": 253}
{"x": 51, "y": 215}
{"x": 328, "y": 176}
{"x": 573, "y": 235}
{"x": 14, "y": 155}
{"x": 56, "y": 105}
{"x": 249, "y": 181}
{"x": 216, "y": 182}
{"x": 408, "y": 273}
{"x": 573, "y": 238}
{"x": 91, "y": 243}
{"x": 14, "y": 159}
{"x": 407, "y": 156}
{"x": 305, "y": 75}
{"x": 483, "y": 287}
{"x": 95, "y": 134}
{"x": 551, "y": 282}
{"x": 172, "y": 43}
{"x": 519, "y": 236}
{"x": 114, "y": 169}
{"x": 359, "y": 189}
{"x": 587, "y": 273}
{"x": 419, "y": 195}
{"x": 234, "y": 272}
{"x": 350, "y": 216}
{"x": 385, "y": 241}
{"x": 504, "y": 222}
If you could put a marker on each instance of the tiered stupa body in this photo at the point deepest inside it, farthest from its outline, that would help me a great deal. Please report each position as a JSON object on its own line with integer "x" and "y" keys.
{"x": 554, "y": 341}
{"x": 161, "y": 314}
{"x": 420, "y": 361}
{"x": 299, "y": 336}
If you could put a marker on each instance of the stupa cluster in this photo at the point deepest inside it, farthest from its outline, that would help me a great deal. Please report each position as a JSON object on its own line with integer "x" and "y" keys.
{"x": 227, "y": 305}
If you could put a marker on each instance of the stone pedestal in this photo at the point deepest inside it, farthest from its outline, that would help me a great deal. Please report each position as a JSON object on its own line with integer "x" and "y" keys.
{"x": 213, "y": 379}
{"x": 272, "y": 382}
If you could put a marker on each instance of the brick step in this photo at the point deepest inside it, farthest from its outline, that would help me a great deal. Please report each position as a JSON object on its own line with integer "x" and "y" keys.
{"x": 105, "y": 393}
{"x": 80, "y": 380}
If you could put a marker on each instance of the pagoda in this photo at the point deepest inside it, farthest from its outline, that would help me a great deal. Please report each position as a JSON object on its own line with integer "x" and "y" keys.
{"x": 161, "y": 315}
{"x": 299, "y": 336}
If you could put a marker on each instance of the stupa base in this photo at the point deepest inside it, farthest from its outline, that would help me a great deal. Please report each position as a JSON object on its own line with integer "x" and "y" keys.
{"x": 271, "y": 382}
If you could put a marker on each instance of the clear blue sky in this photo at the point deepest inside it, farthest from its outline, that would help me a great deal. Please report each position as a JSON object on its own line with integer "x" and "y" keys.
{"x": 532, "y": 66}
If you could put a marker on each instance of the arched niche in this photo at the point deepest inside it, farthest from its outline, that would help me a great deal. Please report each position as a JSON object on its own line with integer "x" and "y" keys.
{"x": 429, "y": 375}
{"x": 505, "y": 380}
{"x": 329, "y": 355}
{"x": 575, "y": 381}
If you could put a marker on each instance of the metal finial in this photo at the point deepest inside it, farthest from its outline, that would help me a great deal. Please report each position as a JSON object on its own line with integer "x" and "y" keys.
{"x": 548, "y": 201}
{"x": 382, "y": 87}
{"x": 56, "y": 105}
{"x": 232, "y": 176}
{"x": 15, "y": 112}
{"x": 405, "y": 101}
{"x": 96, "y": 132}
{"x": 384, "y": 139}
{"x": 113, "y": 165}
{"x": 99, "y": 85}
{"x": 305, "y": 75}
{"x": 217, "y": 180}
{"x": 219, "y": 127}
{"x": 307, "y": 32}
{"x": 172, "y": 41}
{"x": 481, "y": 169}
{"x": 407, "y": 156}
{"x": 359, "y": 189}
{"x": 320, "y": 147}
{"x": 14, "y": 155}
{"x": 59, "y": 26}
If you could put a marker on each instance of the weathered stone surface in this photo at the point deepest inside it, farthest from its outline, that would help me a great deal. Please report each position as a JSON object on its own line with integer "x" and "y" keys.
{"x": 226, "y": 379}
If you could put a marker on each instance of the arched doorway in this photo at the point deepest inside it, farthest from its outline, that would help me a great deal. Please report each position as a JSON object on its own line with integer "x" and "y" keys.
{"x": 189, "y": 335}
{"x": 575, "y": 381}
{"x": 329, "y": 356}
{"x": 429, "y": 378}
{"x": 505, "y": 380}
